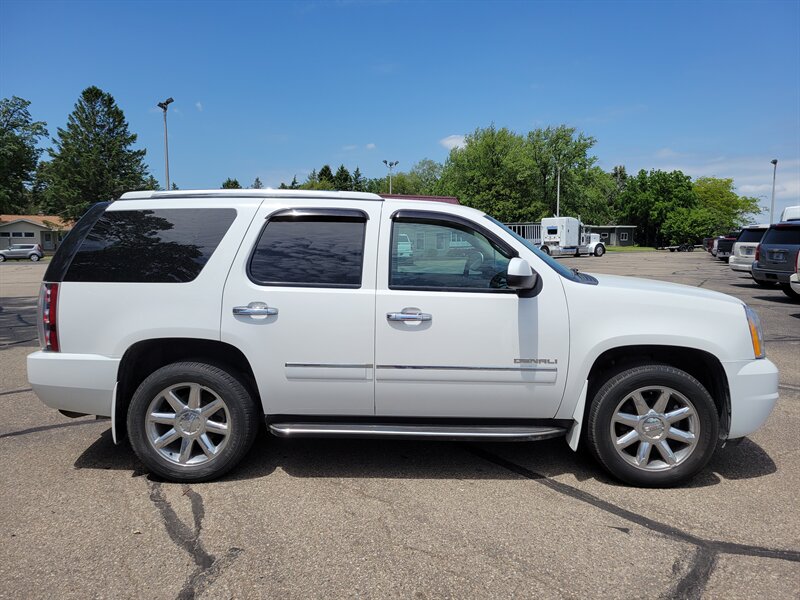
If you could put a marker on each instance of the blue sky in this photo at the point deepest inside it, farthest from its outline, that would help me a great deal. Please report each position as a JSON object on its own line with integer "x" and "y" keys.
{"x": 276, "y": 89}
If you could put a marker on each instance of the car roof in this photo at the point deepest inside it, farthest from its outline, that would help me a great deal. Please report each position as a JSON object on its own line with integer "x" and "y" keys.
{"x": 264, "y": 193}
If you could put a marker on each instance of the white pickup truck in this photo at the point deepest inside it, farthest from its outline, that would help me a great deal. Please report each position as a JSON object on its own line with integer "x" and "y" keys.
{"x": 191, "y": 317}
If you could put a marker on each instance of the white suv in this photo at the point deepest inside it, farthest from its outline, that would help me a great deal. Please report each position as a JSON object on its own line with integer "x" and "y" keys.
{"x": 191, "y": 317}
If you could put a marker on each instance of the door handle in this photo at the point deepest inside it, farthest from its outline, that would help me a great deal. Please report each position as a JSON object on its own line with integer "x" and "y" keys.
{"x": 407, "y": 315}
{"x": 255, "y": 309}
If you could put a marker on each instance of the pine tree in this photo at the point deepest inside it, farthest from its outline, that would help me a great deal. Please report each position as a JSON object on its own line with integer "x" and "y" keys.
{"x": 342, "y": 180}
{"x": 93, "y": 158}
{"x": 257, "y": 185}
{"x": 294, "y": 185}
{"x": 326, "y": 175}
{"x": 231, "y": 184}
{"x": 358, "y": 181}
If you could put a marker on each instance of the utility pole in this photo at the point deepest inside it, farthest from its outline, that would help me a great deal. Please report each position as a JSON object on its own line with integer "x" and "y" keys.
{"x": 774, "y": 162}
{"x": 163, "y": 106}
{"x": 391, "y": 165}
{"x": 558, "y": 191}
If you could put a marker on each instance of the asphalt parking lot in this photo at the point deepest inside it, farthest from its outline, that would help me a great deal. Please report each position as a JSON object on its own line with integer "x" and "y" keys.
{"x": 334, "y": 518}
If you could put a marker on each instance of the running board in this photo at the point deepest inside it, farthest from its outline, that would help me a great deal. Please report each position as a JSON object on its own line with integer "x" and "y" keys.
{"x": 425, "y": 432}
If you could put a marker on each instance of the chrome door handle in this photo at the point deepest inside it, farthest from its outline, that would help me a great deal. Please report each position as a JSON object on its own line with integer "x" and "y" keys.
{"x": 408, "y": 316}
{"x": 255, "y": 309}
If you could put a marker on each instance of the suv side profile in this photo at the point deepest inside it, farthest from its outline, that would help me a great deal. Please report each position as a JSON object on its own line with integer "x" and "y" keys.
{"x": 213, "y": 312}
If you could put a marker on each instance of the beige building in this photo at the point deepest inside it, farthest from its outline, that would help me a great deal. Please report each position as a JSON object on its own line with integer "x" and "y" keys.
{"x": 33, "y": 229}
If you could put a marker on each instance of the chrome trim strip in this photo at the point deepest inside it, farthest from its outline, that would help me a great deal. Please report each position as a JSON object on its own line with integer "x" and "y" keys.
{"x": 442, "y": 368}
{"x": 442, "y": 432}
{"x": 328, "y": 366}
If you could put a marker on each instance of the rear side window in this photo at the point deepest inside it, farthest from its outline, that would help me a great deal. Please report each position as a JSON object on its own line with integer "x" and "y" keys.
{"x": 751, "y": 235}
{"x": 783, "y": 235}
{"x": 310, "y": 250}
{"x": 153, "y": 246}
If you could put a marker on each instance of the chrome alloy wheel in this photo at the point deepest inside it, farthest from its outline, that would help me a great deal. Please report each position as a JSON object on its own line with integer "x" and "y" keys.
{"x": 655, "y": 428}
{"x": 188, "y": 424}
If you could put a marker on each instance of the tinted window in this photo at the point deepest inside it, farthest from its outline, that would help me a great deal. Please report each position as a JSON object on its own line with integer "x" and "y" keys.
{"x": 445, "y": 257}
{"x": 783, "y": 235}
{"x": 154, "y": 246}
{"x": 313, "y": 251}
{"x": 751, "y": 235}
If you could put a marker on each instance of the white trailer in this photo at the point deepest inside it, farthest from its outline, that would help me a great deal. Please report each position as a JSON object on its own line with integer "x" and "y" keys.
{"x": 566, "y": 236}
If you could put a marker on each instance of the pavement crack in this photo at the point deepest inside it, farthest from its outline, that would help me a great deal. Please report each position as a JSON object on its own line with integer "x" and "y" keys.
{"x": 208, "y": 567}
{"x": 717, "y": 547}
{"x": 19, "y": 391}
{"x": 46, "y": 428}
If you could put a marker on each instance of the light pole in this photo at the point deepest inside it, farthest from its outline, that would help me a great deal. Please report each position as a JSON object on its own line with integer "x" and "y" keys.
{"x": 774, "y": 162}
{"x": 391, "y": 165}
{"x": 163, "y": 106}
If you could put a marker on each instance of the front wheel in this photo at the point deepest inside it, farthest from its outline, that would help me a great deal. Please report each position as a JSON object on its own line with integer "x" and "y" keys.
{"x": 599, "y": 250}
{"x": 653, "y": 426}
{"x": 191, "y": 421}
{"x": 545, "y": 249}
{"x": 2, "y": 258}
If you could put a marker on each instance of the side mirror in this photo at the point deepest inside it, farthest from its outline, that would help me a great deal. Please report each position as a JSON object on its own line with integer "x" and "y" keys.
{"x": 520, "y": 275}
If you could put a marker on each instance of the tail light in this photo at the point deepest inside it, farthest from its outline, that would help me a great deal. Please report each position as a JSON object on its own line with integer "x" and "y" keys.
{"x": 758, "y": 252}
{"x": 48, "y": 312}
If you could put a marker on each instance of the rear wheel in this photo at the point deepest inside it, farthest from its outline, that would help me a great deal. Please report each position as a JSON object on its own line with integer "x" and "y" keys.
{"x": 34, "y": 257}
{"x": 787, "y": 289}
{"x": 192, "y": 421}
{"x": 653, "y": 426}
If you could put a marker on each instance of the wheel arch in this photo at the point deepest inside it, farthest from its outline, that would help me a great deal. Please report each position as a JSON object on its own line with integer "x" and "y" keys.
{"x": 146, "y": 356}
{"x": 702, "y": 365}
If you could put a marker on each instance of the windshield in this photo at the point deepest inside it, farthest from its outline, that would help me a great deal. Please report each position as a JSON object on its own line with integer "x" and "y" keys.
{"x": 552, "y": 262}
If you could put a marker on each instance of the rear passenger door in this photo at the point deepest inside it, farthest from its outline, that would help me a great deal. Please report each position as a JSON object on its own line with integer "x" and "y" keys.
{"x": 300, "y": 303}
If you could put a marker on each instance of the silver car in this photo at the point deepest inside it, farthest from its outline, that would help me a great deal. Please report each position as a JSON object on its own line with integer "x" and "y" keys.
{"x": 21, "y": 252}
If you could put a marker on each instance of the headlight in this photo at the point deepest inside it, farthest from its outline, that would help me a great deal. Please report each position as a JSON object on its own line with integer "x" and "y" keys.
{"x": 756, "y": 336}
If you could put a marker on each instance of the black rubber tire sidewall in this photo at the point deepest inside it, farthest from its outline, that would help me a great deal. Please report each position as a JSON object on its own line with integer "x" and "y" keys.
{"x": 787, "y": 289}
{"x": 618, "y": 386}
{"x": 228, "y": 385}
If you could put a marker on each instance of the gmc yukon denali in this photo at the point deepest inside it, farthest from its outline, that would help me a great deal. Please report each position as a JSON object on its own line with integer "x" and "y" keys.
{"x": 191, "y": 318}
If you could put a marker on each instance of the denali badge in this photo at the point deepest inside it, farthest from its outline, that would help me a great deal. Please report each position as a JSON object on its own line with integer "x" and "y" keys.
{"x": 535, "y": 361}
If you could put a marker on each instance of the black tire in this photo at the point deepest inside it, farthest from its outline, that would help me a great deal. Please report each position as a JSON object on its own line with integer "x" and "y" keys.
{"x": 764, "y": 284}
{"x": 545, "y": 249}
{"x": 787, "y": 289}
{"x": 614, "y": 394}
{"x": 241, "y": 416}
{"x": 599, "y": 250}
{"x": 2, "y": 258}
{"x": 34, "y": 257}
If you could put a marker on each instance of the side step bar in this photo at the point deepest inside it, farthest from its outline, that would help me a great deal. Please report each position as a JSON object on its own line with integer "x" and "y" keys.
{"x": 427, "y": 432}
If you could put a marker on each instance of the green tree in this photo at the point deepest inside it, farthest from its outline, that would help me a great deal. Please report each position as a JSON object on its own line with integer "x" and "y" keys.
{"x": 257, "y": 185}
{"x": 359, "y": 183}
{"x": 426, "y": 174}
{"x": 491, "y": 172}
{"x": 93, "y": 158}
{"x": 151, "y": 183}
{"x": 19, "y": 135}
{"x": 294, "y": 185}
{"x": 649, "y": 198}
{"x": 231, "y": 184}
{"x": 342, "y": 180}
{"x": 326, "y": 175}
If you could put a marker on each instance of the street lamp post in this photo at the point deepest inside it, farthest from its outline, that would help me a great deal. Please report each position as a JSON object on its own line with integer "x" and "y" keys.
{"x": 774, "y": 162}
{"x": 391, "y": 165}
{"x": 163, "y": 106}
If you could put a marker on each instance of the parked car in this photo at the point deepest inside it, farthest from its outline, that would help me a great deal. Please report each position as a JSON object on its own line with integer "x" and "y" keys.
{"x": 724, "y": 247}
{"x": 744, "y": 249}
{"x": 404, "y": 248}
{"x": 776, "y": 256}
{"x": 707, "y": 243}
{"x": 791, "y": 213}
{"x": 32, "y": 252}
{"x": 288, "y": 307}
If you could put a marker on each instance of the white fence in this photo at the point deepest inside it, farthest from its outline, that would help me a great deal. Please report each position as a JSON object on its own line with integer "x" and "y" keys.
{"x": 530, "y": 231}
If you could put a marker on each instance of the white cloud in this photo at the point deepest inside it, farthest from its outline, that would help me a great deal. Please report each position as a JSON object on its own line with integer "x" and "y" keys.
{"x": 453, "y": 141}
{"x": 371, "y": 146}
{"x": 667, "y": 153}
{"x": 199, "y": 106}
{"x": 349, "y": 147}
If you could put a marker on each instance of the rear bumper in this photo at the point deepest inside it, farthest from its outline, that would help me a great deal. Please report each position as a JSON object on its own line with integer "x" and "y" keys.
{"x": 741, "y": 263}
{"x": 82, "y": 383}
{"x": 753, "y": 387}
{"x": 770, "y": 274}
